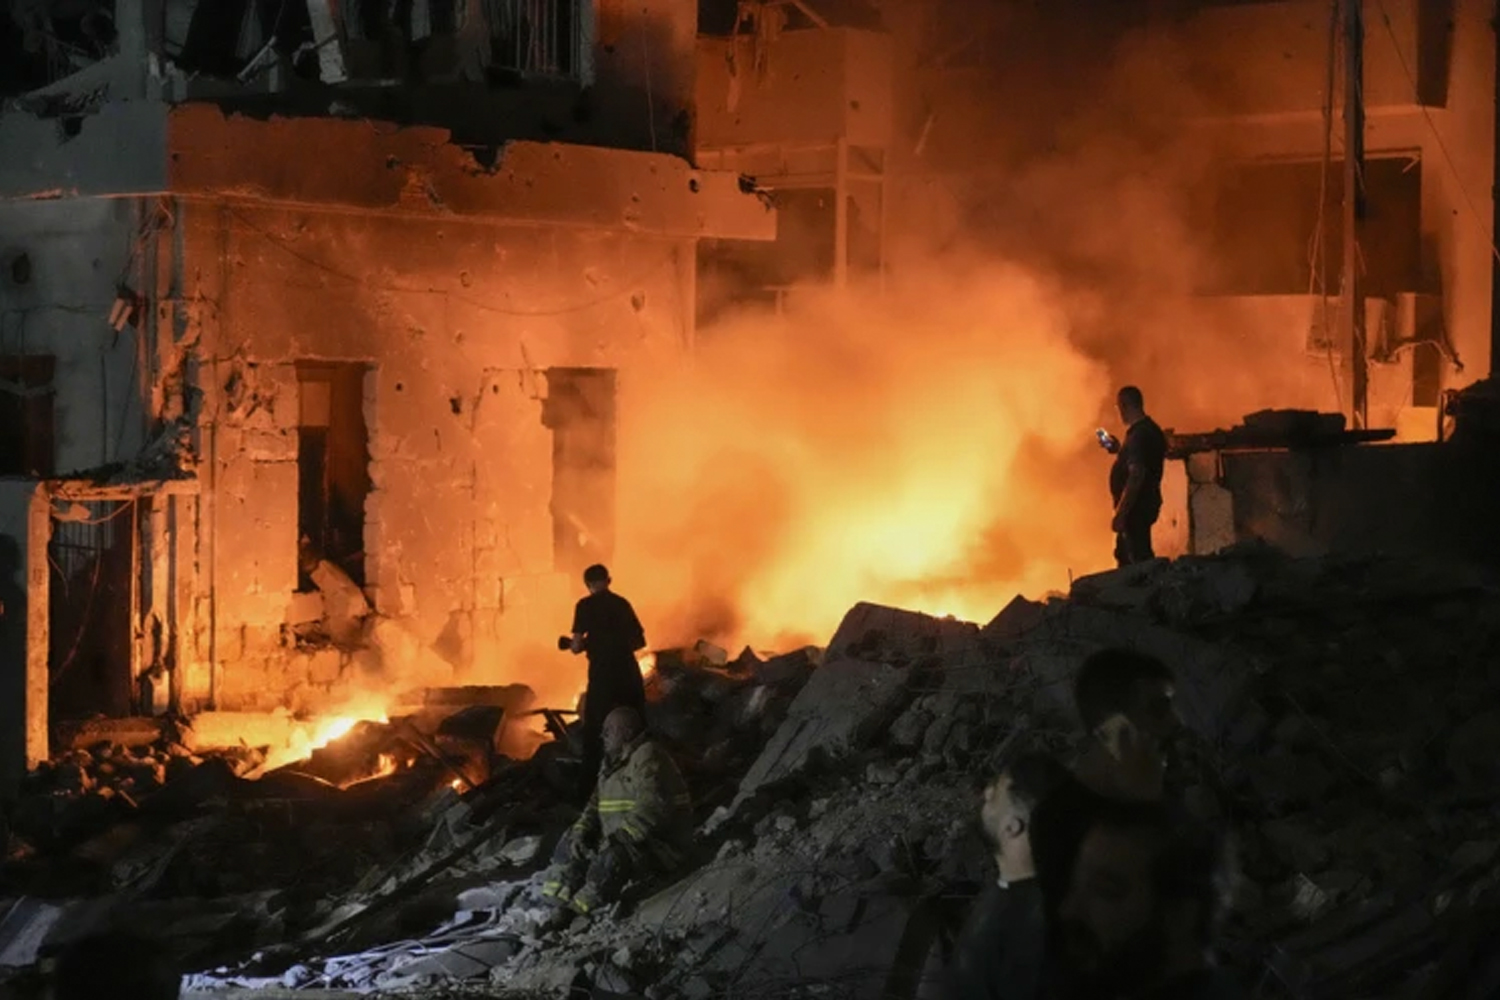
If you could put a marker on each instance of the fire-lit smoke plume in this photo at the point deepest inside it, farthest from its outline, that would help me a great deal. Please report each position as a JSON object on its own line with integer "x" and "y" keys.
{"x": 928, "y": 444}
{"x": 917, "y": 448}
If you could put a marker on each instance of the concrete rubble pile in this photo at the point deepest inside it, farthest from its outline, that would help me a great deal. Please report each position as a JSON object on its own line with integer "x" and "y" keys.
{"x": 1337, "y": 720}
{"x": 1340, "y": 720}
{"x": 137, "y": 825}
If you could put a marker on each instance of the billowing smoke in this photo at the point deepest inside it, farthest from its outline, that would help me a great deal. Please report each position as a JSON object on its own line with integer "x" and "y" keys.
{"x": 915, "y": 448}
{"x": 928, "y": 444}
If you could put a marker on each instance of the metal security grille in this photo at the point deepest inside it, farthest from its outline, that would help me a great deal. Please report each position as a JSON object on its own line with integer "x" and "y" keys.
{"x": 537, "y": 37}
{"x": 77, "y": 546}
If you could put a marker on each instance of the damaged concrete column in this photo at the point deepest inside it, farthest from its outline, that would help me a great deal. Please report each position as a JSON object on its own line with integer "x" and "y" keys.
{"x": 1210, "y": 507}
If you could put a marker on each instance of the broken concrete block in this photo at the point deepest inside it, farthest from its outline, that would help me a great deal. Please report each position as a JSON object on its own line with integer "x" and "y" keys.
{"x": 1014, "y": 620}
{"x": 840, "y": 709}
{"x": 1206, "y": 588}
{"x": 789, "y": 668}
{"x": 521, "y": 850}
{"x": 717, "y": 656}
{"x": 25, "y": 928}
{"x": 907, "y": 731}
{"x": 1211, "y": 678}
{"x": 900, "y": 638}
{"x": 1128, "y": 588}
{"x": 1309, "y": 900}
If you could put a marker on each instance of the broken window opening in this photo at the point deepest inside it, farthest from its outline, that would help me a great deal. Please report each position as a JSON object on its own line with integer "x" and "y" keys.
{"x": 538, "y": 37}
{"x": 333, "y": 467}
{"x": 580, "y": 412}
{"x": 27, "y": 398}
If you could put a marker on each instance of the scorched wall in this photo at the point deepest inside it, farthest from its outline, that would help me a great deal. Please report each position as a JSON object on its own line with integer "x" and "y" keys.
{"x": 455, "y": 326}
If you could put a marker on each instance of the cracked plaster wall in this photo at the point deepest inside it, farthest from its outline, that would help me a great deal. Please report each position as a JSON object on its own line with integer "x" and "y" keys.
{"x": 78, "y": 250}
{"x": 458, "y": 322}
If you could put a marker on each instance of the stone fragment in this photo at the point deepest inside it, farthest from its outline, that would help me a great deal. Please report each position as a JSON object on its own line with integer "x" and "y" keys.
{"x": 840, "y": 709}
{"x": 909, "y": 728}
{"x": 1309, "y": 900}
{"x": 789, "y": 668}
{"x": 710, "y": 653}
{"x": 900, "y": 638}
{"x": 521, "y": 850}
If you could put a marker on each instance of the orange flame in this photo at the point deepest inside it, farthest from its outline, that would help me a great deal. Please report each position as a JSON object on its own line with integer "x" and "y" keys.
{"x": 305, "y": 737}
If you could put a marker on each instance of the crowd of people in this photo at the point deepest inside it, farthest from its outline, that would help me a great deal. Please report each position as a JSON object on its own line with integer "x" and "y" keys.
{"x": 1106, "y": 886}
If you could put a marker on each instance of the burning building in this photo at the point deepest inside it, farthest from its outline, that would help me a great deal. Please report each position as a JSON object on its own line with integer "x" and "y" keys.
{"x": 299, "y": 403}
{"x": 1049, "y": 199}
{"x": 1185, "y": 173}
{"x": 335, "y": 338}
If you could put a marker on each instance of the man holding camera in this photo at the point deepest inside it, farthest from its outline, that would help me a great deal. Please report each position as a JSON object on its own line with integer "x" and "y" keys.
{"x": 606, "y": 629}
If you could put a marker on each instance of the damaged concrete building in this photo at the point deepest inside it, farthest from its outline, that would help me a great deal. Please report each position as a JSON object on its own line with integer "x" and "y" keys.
{"x": 882, "y": 135}
{"x": 879, "y": 141}
{"x": 290, "y": 292}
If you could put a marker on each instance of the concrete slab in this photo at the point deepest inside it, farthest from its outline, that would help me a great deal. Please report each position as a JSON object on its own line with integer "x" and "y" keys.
{"x": 900, "y": 638}
{"x": 841, "y": 708}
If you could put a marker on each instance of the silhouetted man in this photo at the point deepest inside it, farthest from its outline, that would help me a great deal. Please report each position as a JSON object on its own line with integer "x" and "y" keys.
{"x": 1135, "y": 478}
{"x": 1000, "y": 952}
{"x": 606, "y": 629}
{"x": 1141, "y": 910}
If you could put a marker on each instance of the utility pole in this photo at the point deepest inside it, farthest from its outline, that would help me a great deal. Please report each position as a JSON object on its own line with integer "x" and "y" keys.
{"x": 1352, "y": 308}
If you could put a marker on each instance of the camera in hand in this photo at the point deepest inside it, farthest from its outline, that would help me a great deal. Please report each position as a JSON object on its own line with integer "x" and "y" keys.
{"x": 564, "y": 643}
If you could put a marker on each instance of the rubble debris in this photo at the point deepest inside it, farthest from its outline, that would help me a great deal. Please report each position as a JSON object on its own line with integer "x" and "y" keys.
{"x": 1340, "y": 722}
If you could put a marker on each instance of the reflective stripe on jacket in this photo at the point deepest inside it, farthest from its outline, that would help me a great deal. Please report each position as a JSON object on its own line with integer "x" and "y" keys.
{"x": 642, "y": 798}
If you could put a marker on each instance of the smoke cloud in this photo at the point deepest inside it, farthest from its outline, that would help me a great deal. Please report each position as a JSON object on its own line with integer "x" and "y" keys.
{"x": 927, "y": 444}
{"x": 915, "y": 448}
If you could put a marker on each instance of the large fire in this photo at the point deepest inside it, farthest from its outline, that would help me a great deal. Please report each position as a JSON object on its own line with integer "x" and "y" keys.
{"x": 929, "y": 448}
{"x": 313, "y": 734}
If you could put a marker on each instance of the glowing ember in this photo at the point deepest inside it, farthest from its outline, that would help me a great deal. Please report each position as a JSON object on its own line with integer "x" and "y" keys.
{"x": 332, "y": 729}
{"x": 647, "y": 662}
{"x": 313, "y": 734}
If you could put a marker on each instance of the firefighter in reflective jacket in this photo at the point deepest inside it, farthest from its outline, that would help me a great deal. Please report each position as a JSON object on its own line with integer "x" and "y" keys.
{"x": 636, "y": 825}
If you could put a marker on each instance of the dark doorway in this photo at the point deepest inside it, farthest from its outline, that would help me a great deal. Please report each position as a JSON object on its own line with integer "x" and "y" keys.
{"x": 92, "y": 560}
{"x": 580, "y": 412}
{"x": 333, "y": 464}
{"x": 26, "y": 405}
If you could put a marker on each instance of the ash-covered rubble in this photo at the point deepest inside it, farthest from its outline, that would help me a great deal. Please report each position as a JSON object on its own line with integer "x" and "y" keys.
{"x": 1342, "y": 723}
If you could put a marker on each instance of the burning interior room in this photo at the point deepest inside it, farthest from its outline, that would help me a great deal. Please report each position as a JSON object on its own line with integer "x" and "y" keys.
{"x": 382, "y": 382}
